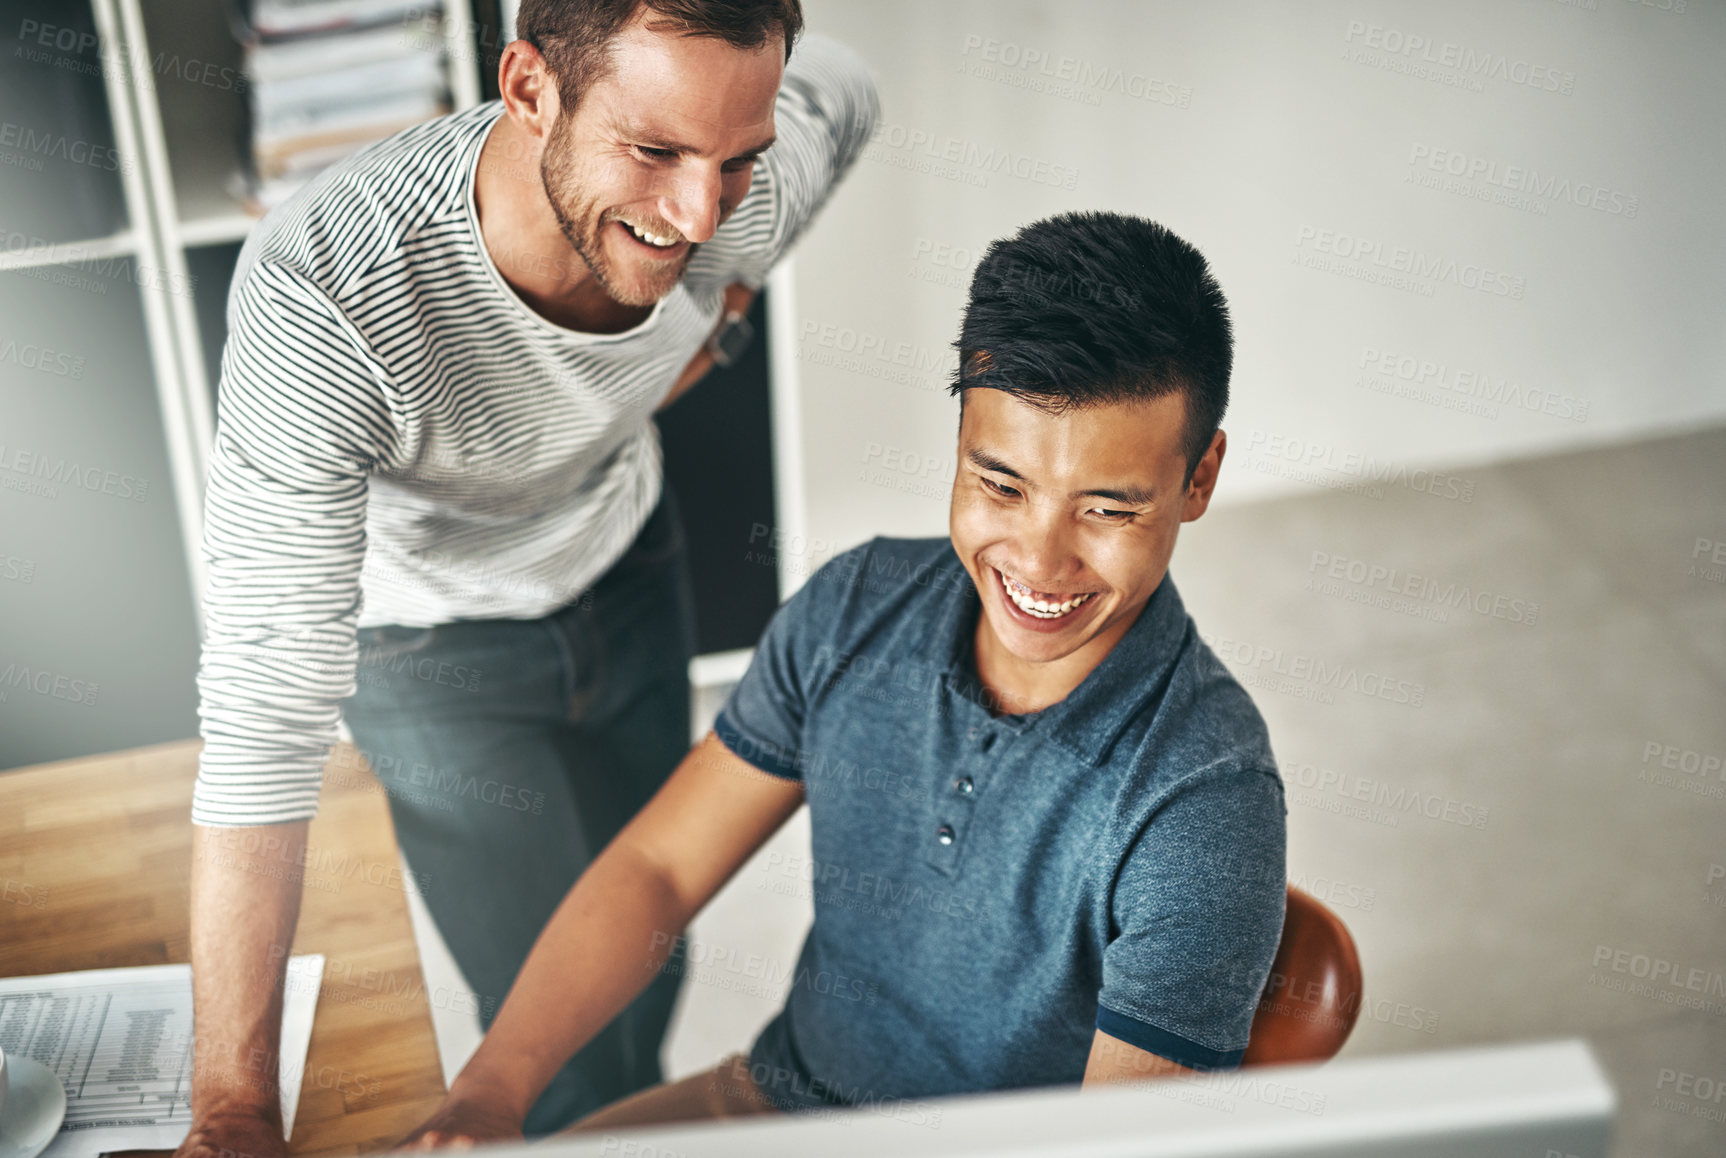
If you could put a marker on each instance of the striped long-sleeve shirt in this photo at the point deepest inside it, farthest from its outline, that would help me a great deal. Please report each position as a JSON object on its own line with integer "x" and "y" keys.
{"x": 400, "y": 439}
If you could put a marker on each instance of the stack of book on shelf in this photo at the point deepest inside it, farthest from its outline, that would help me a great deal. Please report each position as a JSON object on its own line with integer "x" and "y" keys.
{"x": 325, "y": 78}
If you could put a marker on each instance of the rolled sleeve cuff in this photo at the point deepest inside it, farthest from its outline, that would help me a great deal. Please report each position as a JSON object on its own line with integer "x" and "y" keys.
{"x": 1174, "y": 1047}
{"x": 773, "y": 759}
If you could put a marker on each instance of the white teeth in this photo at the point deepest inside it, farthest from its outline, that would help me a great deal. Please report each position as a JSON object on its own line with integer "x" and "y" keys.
{"x": 651, "y": 238}
{"x": 1021, "y": 597}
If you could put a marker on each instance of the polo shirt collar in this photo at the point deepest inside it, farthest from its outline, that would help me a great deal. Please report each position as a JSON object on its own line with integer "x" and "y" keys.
{"x": 1093, "y": 715}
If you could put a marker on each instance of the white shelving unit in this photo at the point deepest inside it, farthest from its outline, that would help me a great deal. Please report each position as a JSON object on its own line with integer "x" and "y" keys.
{"x": 155, "y": 279}
{"x": 182, "y": 151}
{"x": 113, "y": 601}
{"x": 125, "y": 243}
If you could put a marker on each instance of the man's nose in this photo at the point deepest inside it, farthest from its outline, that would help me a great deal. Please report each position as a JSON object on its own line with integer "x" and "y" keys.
{"x": 1042, "y": 550}
{"x": 692, "y": 202}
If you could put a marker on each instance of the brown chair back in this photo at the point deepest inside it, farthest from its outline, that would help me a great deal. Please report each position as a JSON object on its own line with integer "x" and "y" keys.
{"x": 1313, "y": 993}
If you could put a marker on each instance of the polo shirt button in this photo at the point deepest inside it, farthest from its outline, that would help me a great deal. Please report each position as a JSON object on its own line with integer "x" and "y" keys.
{"x": 972, "y": 734}
{"x": 964, "y": 786}
{"x": 945, "y": 834}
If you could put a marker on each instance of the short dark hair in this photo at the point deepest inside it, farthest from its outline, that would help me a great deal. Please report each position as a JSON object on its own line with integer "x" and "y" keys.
{"x": 574, "y": 36}
{"x": 1090, "y": 308}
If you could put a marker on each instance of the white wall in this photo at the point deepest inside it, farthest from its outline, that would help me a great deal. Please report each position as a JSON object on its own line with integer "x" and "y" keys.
{"x": 1280, "y": 130}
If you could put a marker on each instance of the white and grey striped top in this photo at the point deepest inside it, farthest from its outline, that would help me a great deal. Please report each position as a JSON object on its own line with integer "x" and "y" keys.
{"x": 400, "y": 439}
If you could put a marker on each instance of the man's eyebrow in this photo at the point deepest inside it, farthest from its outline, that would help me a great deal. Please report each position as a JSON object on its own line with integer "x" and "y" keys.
{"x": 986, "y": 461}
{"x": 757, "y": 150}
{"x": 1127, "y": 496}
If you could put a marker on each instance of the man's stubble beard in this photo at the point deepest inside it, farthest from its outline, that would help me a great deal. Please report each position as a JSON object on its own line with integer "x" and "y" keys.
{"x": 557, "y": 171}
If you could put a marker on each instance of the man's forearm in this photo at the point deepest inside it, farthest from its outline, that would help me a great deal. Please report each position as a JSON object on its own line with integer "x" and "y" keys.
{"x": 608, "y": 938}
{"x": 738, "y": 297}
{"x": 244, "y": 906}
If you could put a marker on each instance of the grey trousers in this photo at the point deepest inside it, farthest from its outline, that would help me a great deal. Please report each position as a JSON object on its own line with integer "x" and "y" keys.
{"x": 511, "y": 751}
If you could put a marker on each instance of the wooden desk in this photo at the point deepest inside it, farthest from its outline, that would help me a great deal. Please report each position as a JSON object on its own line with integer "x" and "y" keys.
{"x": 109, "y": 839}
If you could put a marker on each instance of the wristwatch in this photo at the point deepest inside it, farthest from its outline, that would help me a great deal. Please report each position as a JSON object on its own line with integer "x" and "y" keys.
{"x": 730, "y": 339}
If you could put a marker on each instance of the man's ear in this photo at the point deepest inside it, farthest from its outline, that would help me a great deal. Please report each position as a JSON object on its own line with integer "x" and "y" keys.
{"x": 525, "y": 85}
{"x": 1204, "y": 480}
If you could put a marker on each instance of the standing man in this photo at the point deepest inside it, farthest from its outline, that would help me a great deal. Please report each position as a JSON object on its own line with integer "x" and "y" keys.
{"x": 436, "y": 503}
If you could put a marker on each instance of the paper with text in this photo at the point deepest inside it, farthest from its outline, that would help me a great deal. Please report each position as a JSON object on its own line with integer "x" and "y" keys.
{"x": 120, "y": 1041}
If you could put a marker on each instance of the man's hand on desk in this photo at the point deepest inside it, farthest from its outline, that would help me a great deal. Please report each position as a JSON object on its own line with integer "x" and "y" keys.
{"x": 461, "y": 1121}
{"x": 235, "y": 1134}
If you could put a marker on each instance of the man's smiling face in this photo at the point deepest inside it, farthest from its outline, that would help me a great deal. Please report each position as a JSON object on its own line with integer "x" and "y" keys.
{"x": 658, "y": 152}
{"x": 1066, "y": 521}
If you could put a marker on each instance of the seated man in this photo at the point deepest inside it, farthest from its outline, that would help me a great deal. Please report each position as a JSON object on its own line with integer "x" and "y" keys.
{"x": 1024, "y": 768}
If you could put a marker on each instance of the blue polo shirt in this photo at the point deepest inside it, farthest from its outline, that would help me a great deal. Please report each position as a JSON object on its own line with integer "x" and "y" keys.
{"x": 991, "y": 889}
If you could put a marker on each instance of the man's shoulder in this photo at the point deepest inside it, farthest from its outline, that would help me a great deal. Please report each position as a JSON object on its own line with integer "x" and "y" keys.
{"x": 1203, "y": 726}
{"x": 362, "y": 209}
{"x": 1200, "y": 762}
{"x": 882, "y": 594}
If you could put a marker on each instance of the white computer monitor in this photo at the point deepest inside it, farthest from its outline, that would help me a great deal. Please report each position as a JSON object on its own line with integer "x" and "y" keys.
{"x": 1540, "y": 1100}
